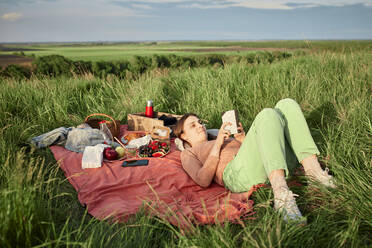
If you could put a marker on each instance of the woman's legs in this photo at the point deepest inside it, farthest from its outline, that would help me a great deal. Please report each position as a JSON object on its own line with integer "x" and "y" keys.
{"x": 262, "y": 151}
{"x": 296, "y": 129}
{"x": 262, "y": 156}
{"x": 275, "y": 137}
{"x": 270, "y": 138}
{"x": 299, "y": 137}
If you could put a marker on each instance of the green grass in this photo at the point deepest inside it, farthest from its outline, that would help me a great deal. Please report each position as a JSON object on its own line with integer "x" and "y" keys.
{"x": 120, "y": 51}
{"x": 40, "y": 208}
{"x": 108, "y": 52}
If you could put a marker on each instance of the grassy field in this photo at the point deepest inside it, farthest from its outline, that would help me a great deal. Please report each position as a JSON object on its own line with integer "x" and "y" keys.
{"x": 120, "y": 51}
{"x": 107, "y": 52}
{"x": 39, "y": 208}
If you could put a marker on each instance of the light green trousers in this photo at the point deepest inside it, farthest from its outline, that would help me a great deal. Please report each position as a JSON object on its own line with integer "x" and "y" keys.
{"x": 279, "y": 138}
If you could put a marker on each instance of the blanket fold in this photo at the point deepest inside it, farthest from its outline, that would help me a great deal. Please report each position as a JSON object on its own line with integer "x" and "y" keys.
{"x": 162, "y": 187}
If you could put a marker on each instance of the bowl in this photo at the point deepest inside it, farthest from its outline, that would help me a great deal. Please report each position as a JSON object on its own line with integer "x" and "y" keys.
{"x": 131, "y": 136}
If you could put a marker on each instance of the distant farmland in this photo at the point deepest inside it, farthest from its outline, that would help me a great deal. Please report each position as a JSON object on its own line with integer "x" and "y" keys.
{"x": 121, "y": 51}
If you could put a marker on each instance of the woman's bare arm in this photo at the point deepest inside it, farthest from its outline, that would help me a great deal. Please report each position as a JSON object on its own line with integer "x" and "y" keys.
{"x": 203, "y": 174}
{"x": 194, "y": 168}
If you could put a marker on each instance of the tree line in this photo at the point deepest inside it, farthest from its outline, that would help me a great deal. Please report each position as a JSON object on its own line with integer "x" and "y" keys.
{"x": 57, "y": 65}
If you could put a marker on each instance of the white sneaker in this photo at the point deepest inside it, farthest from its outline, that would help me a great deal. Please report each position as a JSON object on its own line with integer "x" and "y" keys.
{"x": 285, "y": 203}
{"x": 325, "y": 179}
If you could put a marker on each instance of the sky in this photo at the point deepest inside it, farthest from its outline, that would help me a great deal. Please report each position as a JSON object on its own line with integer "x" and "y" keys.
{"x": 162, "y": 20}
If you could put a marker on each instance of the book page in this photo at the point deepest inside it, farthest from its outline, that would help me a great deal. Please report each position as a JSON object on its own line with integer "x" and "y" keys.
{"x": 231, "y": 116}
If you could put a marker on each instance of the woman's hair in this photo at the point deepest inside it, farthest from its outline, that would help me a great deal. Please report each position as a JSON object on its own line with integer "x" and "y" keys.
{"x": 178, "y": 129}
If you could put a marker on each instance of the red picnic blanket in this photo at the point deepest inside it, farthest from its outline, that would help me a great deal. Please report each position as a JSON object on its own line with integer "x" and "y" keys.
{"x": 162, "y": 188}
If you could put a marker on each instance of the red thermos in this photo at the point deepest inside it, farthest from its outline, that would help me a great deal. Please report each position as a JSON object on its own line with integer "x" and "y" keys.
{"x": 149, "y": 109}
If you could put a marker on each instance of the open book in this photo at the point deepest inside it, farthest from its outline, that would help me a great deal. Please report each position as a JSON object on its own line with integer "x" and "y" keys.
{"x": 231, "y": 116}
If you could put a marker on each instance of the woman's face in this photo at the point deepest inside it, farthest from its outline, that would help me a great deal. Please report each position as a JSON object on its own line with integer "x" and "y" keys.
{"x": 194, "y": 131}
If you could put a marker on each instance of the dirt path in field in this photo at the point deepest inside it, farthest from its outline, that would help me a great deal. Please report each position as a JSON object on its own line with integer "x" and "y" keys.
{"x": 233, "y": 49}
{"x": 7, "y": 59}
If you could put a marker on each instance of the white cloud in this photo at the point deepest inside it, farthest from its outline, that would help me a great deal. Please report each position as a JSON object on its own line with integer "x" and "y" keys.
{"x": 161, "y": 1}
{"x": 12, "y": 16}
{"x": 245, "y": 4}
{"x": 205, "y": 6}
{"x": 263, "y": 4}
{"x": 57, "y": 9}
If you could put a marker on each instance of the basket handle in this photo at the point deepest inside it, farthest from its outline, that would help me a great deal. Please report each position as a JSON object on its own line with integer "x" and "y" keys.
{"x": 100, "y": 114}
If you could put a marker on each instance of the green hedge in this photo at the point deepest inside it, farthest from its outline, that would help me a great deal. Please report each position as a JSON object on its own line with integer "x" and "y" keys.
{"x": 56, "y": 65}
{"x": 53, "y": 65}
{"x": 16, "y": 71}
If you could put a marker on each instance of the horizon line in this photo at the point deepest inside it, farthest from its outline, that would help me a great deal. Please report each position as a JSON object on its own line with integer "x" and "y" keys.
{"x": 187, "y": 40}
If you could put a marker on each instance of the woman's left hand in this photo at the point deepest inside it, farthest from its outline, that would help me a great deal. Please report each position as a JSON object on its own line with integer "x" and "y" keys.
{"x": 241, "y": 134}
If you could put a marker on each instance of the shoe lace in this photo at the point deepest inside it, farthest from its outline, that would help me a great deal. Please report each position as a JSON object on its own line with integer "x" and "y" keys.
{"x": 286, "y": 204}
{"x": 286, "y": 197}
{"x": 326, "y": 179}
{"x": 325, "y": 173}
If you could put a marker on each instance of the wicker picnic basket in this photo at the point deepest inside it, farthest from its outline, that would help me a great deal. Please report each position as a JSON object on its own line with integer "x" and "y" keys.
{"x": 113, "y": 125}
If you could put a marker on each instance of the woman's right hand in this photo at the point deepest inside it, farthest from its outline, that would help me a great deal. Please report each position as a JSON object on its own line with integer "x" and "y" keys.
{"x": 221, "y": 137}
{"x": 223, "y": 134}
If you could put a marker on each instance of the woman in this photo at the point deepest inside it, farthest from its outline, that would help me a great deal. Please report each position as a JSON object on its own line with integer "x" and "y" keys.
{"x": 278, "y": 139}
